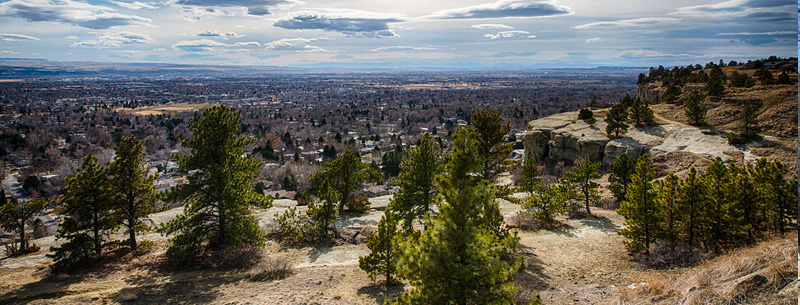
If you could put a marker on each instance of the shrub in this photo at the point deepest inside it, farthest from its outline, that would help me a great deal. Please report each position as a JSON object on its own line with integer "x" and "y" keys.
{"x": 585, "y": 114}
{"x": 293, "y": 227}
{"x": 360, "y": 204}
{"x": 272, "y": 269}
{"x": 235, "y": 258}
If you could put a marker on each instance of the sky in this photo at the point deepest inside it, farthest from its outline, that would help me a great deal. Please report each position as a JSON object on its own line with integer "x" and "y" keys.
{"x": 476, "y": 34}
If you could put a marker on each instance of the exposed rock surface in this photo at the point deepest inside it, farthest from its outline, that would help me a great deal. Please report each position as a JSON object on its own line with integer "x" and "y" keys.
{"x": 564, "y": 137}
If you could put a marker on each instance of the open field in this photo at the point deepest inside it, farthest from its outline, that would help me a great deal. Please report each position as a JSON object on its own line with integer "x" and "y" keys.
{"x": 164, "y": 109}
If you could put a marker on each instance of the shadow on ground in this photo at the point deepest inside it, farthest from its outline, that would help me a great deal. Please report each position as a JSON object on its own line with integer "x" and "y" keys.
{"x": 379, "y": 292}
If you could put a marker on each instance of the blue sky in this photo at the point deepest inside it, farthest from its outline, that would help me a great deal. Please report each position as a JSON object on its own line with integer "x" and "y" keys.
{"x": 397, "y": 34}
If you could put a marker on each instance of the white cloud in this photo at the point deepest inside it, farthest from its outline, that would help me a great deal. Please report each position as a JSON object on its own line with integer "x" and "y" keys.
{"x": 508, "y": 34}
{"x": 9, "y": 52}
{"x": 629, "y": 23}
{"x": 135, "y": 5}
{"x": 16, "y": 37}
{"x": 115, "y": 40}
{"x": 648, "y": 54}
{"x": 68, "y": 11}
{"x": 487, "y": 26}
{"x": 505, "y": 9}
{"x": 213, "y": 33}
{"x": 591, "y": 40}
{"x": 775, "y": 33}
{"x": 300, "y": 45}
{"x": 204, "y": 45}
{"x": 403, "y": 48}
{"x": 349, "y": 22}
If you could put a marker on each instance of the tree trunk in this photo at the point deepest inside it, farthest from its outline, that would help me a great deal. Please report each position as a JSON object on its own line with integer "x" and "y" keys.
{"x": 22, "y": 237}
{"x": 131, "y": 225}
{"x": 222, "y": 231}
{"x": 96, "y": 228}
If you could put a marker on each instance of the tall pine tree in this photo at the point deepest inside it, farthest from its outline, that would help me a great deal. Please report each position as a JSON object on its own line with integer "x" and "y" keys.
{"x": 417, "y": 192}
{"x": 383, "y": 258}
{"x": 581, "y": 176}
{"x": 720, "y": 215}
{"x": 620, "y": 176}
{"x": 690, "y": 201}
{"x": 640, "y": 209}
{"x": 132, "y": 186}
{"x": 493, "y": 150}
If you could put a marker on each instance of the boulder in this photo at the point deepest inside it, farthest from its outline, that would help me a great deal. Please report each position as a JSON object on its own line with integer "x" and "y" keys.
{"x": 628, "y": 146}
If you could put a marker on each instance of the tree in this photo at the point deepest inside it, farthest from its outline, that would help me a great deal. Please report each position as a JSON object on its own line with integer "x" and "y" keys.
{"x": 719, "y": 213}
{"x": 667, "y": 194}
{"x": 695, "y": 108}
{"x": 715, "y": 85}
{"x": 671, "y": 94}
{"x": 581, "y": 176}
{"x": 748, "y": 122}
{"x": 417, "y": 191}
{"x": 547, "y": 200}
{"x": 219, "y": 191}
{"x": 616, "y": 118}
{"x": 132, "y": 186}
{"x": 459, "y": 259}
{"x": 745, "y": 198}
{"x": 784, "y": 79}
{"x": 765, "y": 76}
{"x": 383, "y": 258}
{"x": 585, "y": 114}
{"x": 344, "y": 175}
{"x": 527, "y": 175}
{"x": 640, "y": 208}
{"x": 593, "y": 104}
{"x": 391, "y": 162}
{"x": 690, "y": 202}
{"x": 492, "y": 147}
{"x": 88, "y": 202}
{"x": 15, "y": 214}
{"x": 641, "y": 114}
{"x": 741, "y": 80}
{"x": 777, "y": 194}
{"x": 620, "y": 176}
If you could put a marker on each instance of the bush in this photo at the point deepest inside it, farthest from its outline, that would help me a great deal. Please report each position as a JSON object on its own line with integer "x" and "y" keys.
{"x": 662, "y": 256}
{"x": 144, "y": 246}
{"x": 292, "y": 227}
{"x": 12, "y": 249}
{"x": 360, "y": 204}
{"x": 272, "y": 269}
{"x": 235, "y": 258}
{"x": 585, "y": 114}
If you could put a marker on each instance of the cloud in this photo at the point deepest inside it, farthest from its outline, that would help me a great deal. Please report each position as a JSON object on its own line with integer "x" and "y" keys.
{"x": 514, "y": 54}
{"x": 487, "y": 26}
{"x": 505, "y": 9}
{"x": 403, "y": 48}
{"x": 68, "y": 11}
{"x": 9, "y": 52}
{"x": 213, "y": 33}
{"x": 114, "y": 40}
{"x": 628, "y": 23}
{"x": 300, "y": 45}
{"x": 591, "y": 40}
{"x": 349, "y": 22}
{"x": 775, "y": 33}
{"x": 732, "y": 8}
{"x": 508, "y": 34}
{"x": 135, "y": 5}
{"x": 254, "y": 7}
{"x": 16, "y": 37}
{"x": 648, "y": 54}
{"x": 205, "y": 45}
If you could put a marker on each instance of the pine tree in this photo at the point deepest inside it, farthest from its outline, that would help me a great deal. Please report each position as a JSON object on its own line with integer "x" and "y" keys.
{"x": 459, "y": 259}
{"x": 548, "y": 200}
{"x": 690, "y": 203}
{"x": 219, "y": 191}
{"x": 593, "y": 104}
{"x": 671, "y": 94}
{"x": 581, "y": 176}
{"x": 695, "y": 108}
{"x": 668, "y": 191}
{"x": 527, "y": 174}
{"x": 620, "y": 176}
{"x": 777, "y": 194}
{"x": 417, "y": 192}
{"x": 493, "y": 150}
{"x": 744, "y": 194}
{"x": 133, "y": 188}
{"x": 640, "y": 208}
{"x": 87, "y": 203}
{"x": 14, "y": 214}
{"x": 748, "y": 122}
{"x": 720, "y": 215}
{"x": 616, "y": 118}
{"x": 383, "y": 258}
{"x": 641, "y": 114}
{"x": 344, "y": 175}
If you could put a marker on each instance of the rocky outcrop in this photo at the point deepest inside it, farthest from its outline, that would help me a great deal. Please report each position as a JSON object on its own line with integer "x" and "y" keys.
{"x": 649, "y": 92}
{"x": 564, "y": 137}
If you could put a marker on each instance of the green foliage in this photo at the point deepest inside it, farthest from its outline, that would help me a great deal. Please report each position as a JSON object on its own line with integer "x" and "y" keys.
{"x": 133, "y": 189}
{"x": 493, "y": 150}
{"x": 391, "y": 162}
{"x": 668, "y": 191}
{"x": 459, "y": 258}
{"x": 672, "y": 94}
{"x": 784, "y": 79}
{"x": 585, "y": 114}
{"x": 765, "y": 76}
{"x": 593, "y": 104}
{"x": 640, "y": 209}
{"x": 359, "y": 204}
{"x": 776, "y": 193}
{"x": 720, "y": 215}
{"x": 219, "y": 191}
{"x": 340, "y": 178}
{"x": 88, "y": 203}
{"x": 616, "y": 118}
{"x": 417, "y": 192}
{"x": 715, "y": 85}
{"x": 383, "y": 258}
{"x": 527, "y": 175}
{"x": 548, "y": 200}
{"x": 641, "y": 114}
{"x": 15, "y": 214}
{"x": 690, "y": 203}
{"x": 741, "y": 80}
{"x": 620, "y": 176}
{"x": 748, "y": 128}
{"x": 296, "y": 228}
{"x": 581, "y": 177}
{"x": 695, "y": 108}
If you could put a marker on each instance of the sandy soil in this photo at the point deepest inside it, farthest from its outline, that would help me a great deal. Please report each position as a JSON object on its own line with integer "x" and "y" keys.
{"x": 156, "y": 110}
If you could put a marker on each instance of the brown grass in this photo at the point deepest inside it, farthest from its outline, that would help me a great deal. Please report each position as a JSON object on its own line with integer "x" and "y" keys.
{"x": 732, "y": 278}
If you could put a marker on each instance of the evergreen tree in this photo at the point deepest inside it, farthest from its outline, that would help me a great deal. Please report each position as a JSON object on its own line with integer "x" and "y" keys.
{"x": 743, "y": 192}
{"x": 593, "y": 104}
{"x": 15, "y": 214}
{"x": 548, "y": 200}
{"x": 343, "y": 176}
{"x": 616, "y": 118}
{"x": 527, "y": 175}
{"x": 720, "y": 214}
{"x": 391, "y": 162}
{"x": 459, "y": 259}
{"x": 690, "y": 202}
{"x": 784, "y": 79}
{"x": 668, "y": 191}
{"x": 87, "y": 204}
{"x": 493, "y": 150}
{"x": 671, "y": 94}
{"x": 417, "y": 192}
{"x": 620, "y": 176}
{"x": 748, "y": 122}
{"x": 640, "y": 208}
{"x": 641, "y": 114}
{"x": 219, "y": 191}
{"x": 383, "y": 258}
{"x": 581, "y": 176}
{"x": 777, "y": 194}
{"x": 133, "y": 188}
{"x": 695, "y": 108}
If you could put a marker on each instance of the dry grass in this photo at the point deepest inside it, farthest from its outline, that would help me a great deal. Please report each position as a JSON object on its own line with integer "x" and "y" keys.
{"x": 755, "y": 274}
{"x": 272, "y": 269}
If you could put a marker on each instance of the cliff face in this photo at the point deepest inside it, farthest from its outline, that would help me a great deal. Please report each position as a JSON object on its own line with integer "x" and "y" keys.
{"x": 650, "y": 92}
{"x": 564, "y": 137}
